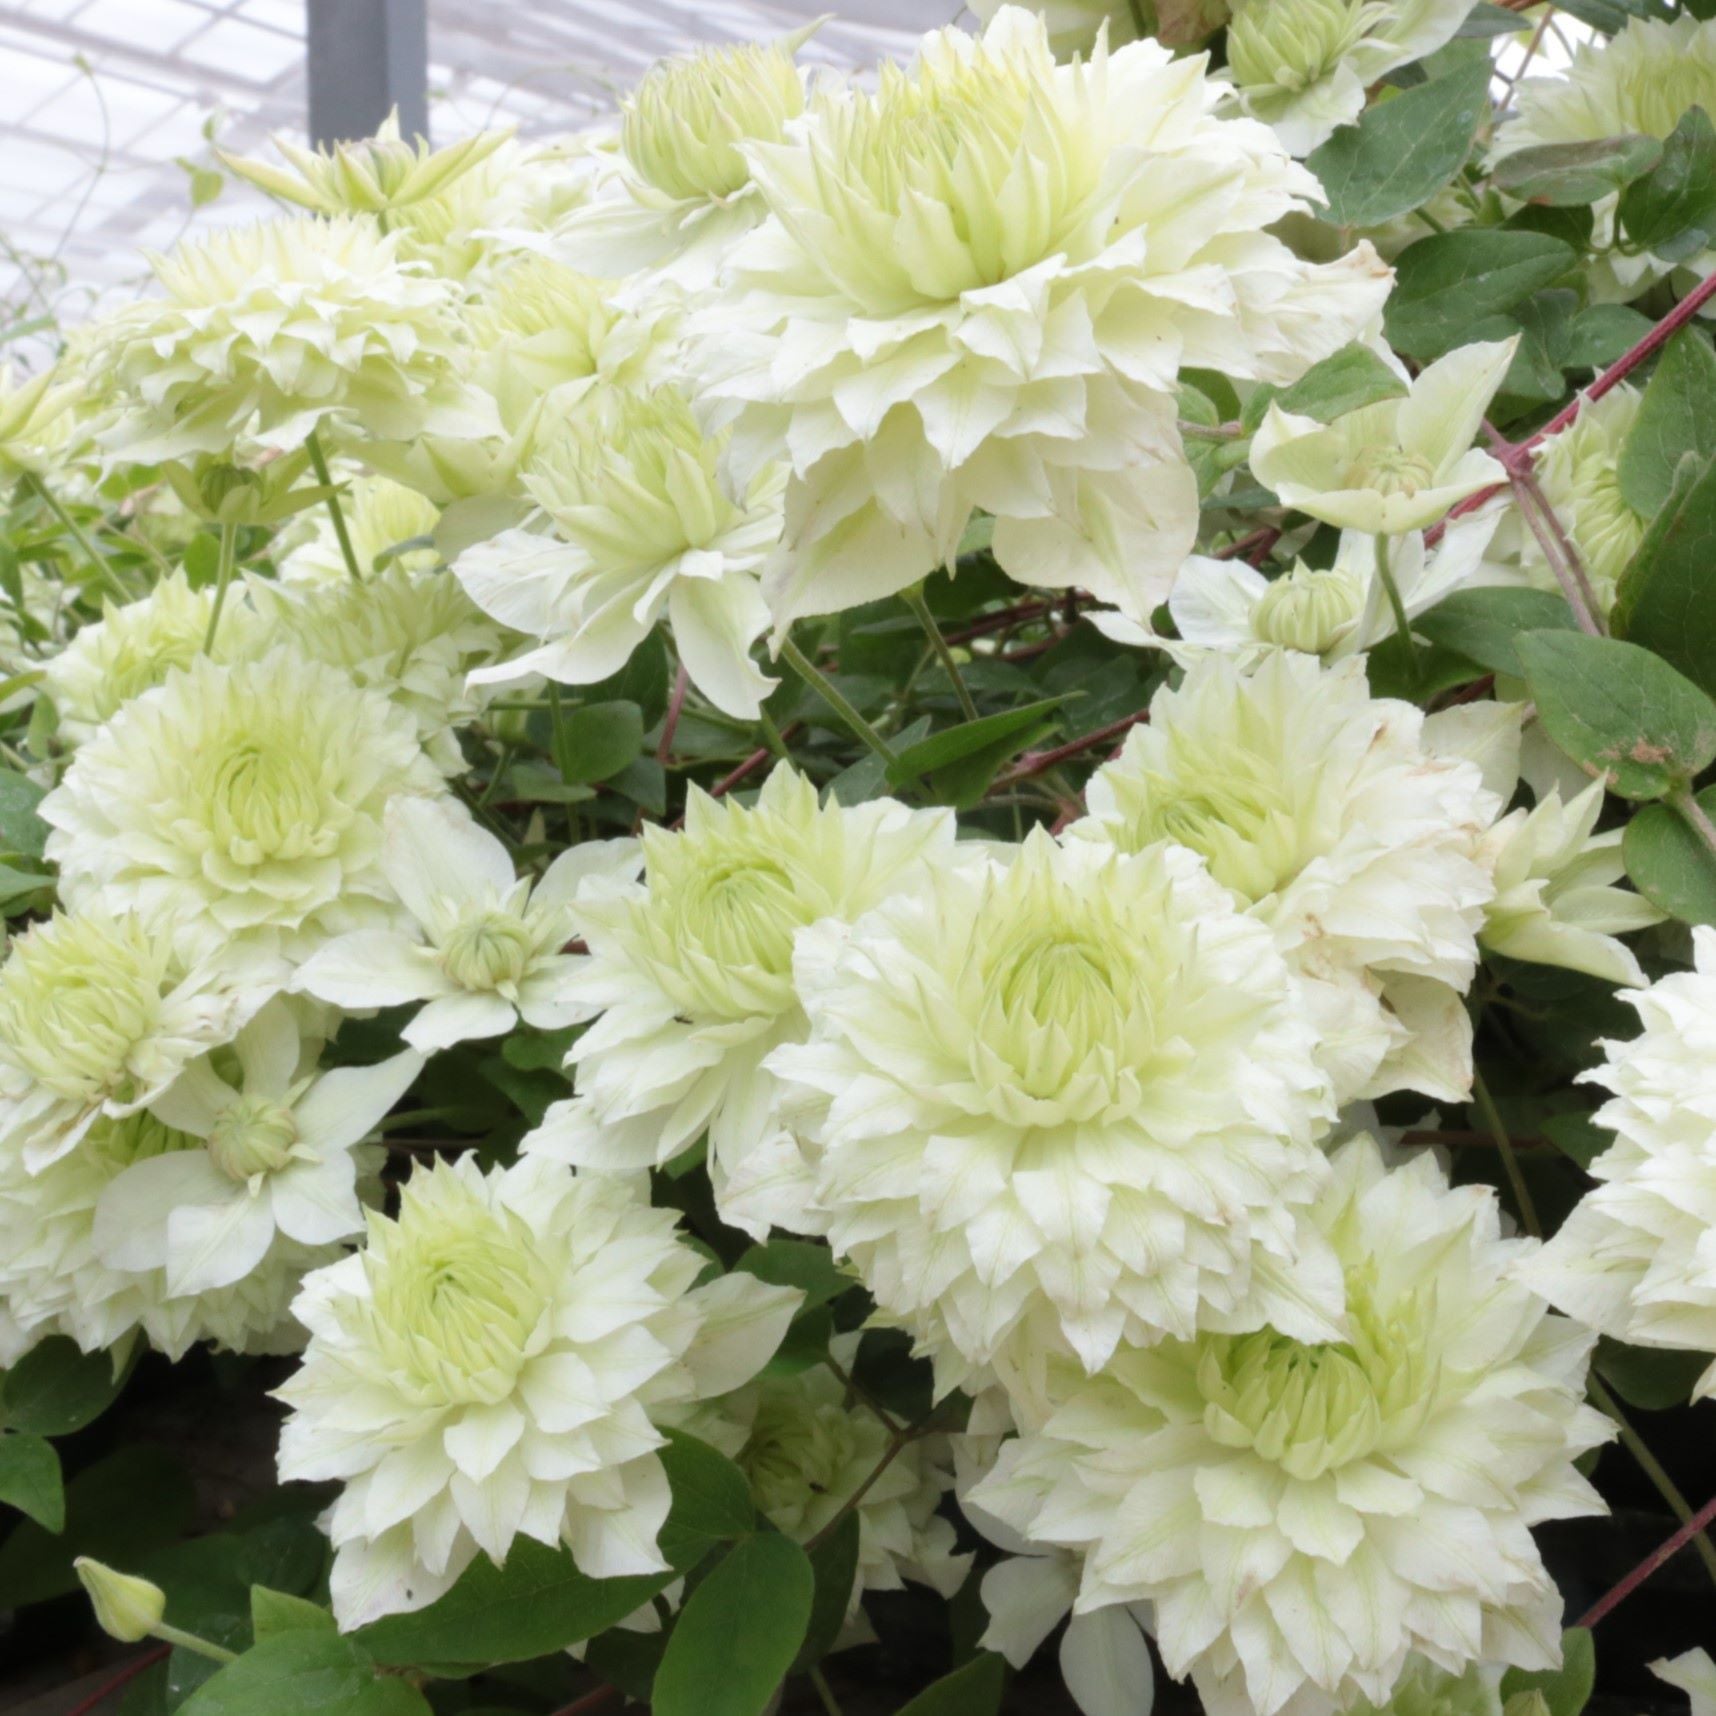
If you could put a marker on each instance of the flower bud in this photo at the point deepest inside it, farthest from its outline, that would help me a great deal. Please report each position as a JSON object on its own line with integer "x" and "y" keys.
{"x": 1308, "y": 610}
{"x": 126, "y": 1608}
{"x": 1293, "y": 43}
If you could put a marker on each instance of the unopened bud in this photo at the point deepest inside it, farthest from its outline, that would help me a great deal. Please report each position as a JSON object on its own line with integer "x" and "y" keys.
{"x": 126, "y": 1608}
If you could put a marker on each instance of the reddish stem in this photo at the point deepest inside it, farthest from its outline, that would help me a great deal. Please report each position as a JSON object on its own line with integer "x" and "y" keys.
{"x": 1664, "y": 1552}
{"x": 1253, "y": 547}
{"x": 670, "y": 726}
{"x": 600, "y": 1699}
{"x": 138, "y": 1665}
{"x": 1000, "y": 620}
{"x": 1035, "y": 762}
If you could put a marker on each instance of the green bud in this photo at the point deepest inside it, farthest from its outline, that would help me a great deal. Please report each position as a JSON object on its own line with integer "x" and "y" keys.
{"x": 126, "y": 1608}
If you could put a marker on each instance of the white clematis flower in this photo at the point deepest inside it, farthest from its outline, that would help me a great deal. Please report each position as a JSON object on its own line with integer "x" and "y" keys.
{"x": 1395, "y": 466}
{"x": 486, "y": 949}
{"x": 240, "y": 802}
{"x": 280, "y": 1158}
{"x": 1059, "y": 1101}
{"x": 1230, "y": 608}
{"x": 1694, "y": 1673}
{"x": 1555, "y": 901}
{"x": 381, "y": 517}
{"x": 1635, "y": 1258}
{"x": 1328, "y": 817}
{"x": 977, "y": 290}
{"x": 643, "y": 527}
{"x": 690, "y": 976}
{"x": 98, "y": 1015}
{"x": 1308, "y": 1518}
{"x": 491, "y": 1366}
{"x": 1304, "y": 66}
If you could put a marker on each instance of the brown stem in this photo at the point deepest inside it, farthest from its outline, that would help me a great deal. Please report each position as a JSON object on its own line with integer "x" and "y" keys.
{"x": 138, "y": 1665}
{"x": 670, "y": 726}
{"x": 1664, "y": 1552}
{"x": 600, "y": 1699}
{"x": 1036, "y": 762}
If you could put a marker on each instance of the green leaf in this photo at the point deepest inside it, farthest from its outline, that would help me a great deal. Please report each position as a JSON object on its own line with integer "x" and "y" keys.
{"x": 596, "y": 741}
{"x": 1600, "y": 333}
{"x": 974, "y": 1690}
{"x": 797, "y": 1263}
{"x": 1485, "y": 20}
{"x": 1575, "y": 174}
{"x": 118, "y": 1510}
{"x": 711, "y": 1500}
{"x": 1404, "y": 150}
{"x": 22, "y": 832}
{"x": 1578, "y": 1137}
{"x": 1674, "y": 419}
{"x": 739, "y": 1631}
{"x": 1567, "y": 1688}
{"x": 539, "y": 1602}
{"x": 868, "y": 777}
{"x": 1483, "y": 625}
{"x": 1669, "y": 864}
{"x": 834, "y": 1563}
{"x": 1445, "y": 283}
{"x": 280, "y": 1612}
{"x": 55, "y": 1389}
{"x": 1619, "y": 710}
{"x": 30, "y": 1479}
{"x": 961, "y": 761}
{"x": 1345, "y": 381}
{"x": 1665, "y": 600}
{"x": 1649, "y": 1377}
{"x": 309, "y": 1674}
{"x": 1671, "y": 211}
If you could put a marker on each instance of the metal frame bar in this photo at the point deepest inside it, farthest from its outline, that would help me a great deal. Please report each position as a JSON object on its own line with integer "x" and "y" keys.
{"x": 364, "y": 59}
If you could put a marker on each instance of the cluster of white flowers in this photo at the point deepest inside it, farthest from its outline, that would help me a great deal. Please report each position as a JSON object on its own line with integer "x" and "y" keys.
{"x": 1073, "y": 1109}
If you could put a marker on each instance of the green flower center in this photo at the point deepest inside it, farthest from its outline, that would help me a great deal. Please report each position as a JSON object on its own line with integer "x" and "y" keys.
{"x": 252, "y": 1136}
{"x": 490, "y": 950}
{"x": 135, "y": 1138}
{"x": 1391, "y": 471}
{"x": 263, "y": 803}
{"x": 1293, "y": 44}
{"x": 1065, "y": 976}
{"x": 744, "y": 912}
{"x": 804, "y": 1460}
{"x": 1307, "y": 610}
{"x": 1311, "y": 1409}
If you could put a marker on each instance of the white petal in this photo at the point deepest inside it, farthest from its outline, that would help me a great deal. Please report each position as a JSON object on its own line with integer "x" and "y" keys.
{"x": 214, "y": 1245}
{"x": 450, "y": 1019}
{"x": 371, "y": 968}
{"x": 1106, "y": 1664}
{"x": 436, "y": 856}
{"x": 343, "y": 1106}
{"x": 316, "y": 1203}
{"x": 131, "y": 1218}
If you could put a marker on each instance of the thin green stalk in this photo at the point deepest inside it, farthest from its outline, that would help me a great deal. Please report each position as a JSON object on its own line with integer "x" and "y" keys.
{"x": 1492, "y": 1120}
{"x": 190, "y": 1642}
{"x": 1396, "y": 606}
{"x": 73, "y": 529}
{"x": 1682, "y": 801}
{"x": 313, "y": 446}
{"x": 836, "y": 700}
{"x": 1652, "y": 1468}
{"x": 771, "y": 733}
{"x": 223, "y": 577}
{"x": 830, "y": 1704}
{"x": 914, "y": 599}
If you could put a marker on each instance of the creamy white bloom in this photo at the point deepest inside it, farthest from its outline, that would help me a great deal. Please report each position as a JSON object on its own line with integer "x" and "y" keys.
{"x": 1426, "y": 1690}
{"x": 690, "y": 974}
{"x": 643, "y": 527}
{"x": 808, "y": 1449}
{"x": 1331, "y": 612}
{"x": 1636, "y": 1259}
{"x": 1578, "y": 471}
{"x": 484, "y": 950}
{"x": 679, "y": 194}
{"x": 1555, "y": 901}
{"x": 1074, "y": 24}
{"x": 1306, "y": 1518}
{"x": 1329, "y": 819}
{"x": 55, "y": 1279}
{"x": 279, "y": 1159}
{"x": 262, "y": 331}
{"x": 99, "y": 1013}
{"x": 414, "y": 637}
{"x": 1640, "y": 81}
{"x": 487, "y": 1369}
{"x": 1304, "y": 66}
{"x": 1394, "y": 466}
{"x": 381, "y": 515}
{"x": 34, "y": 422}
{"x": 240, "y": 803}
{"x": 1695, "y": 1674}
{"x": 1060, "y": 1100}
{"x": 131, "y": 649}
{"x": 976, "y": 290}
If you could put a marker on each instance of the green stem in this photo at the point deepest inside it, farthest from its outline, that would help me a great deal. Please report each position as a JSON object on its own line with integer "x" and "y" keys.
{"x": 77, "y": 533}
{"x": 830, "y": 1704}
{"x": 1396, "y": 606}
{"x": 313, "y": 446}
{"x": 771, "y": 733}
{"x": 1652, "y": 1468}
{"x": 836, "y": 700}
{"x": 190, "y": 1642}
{"x": 1492, "y": 1119}
{"x": 223, "y": 577}
{"x": 914, "y": 599}
{"x": 1683, "y": 802}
